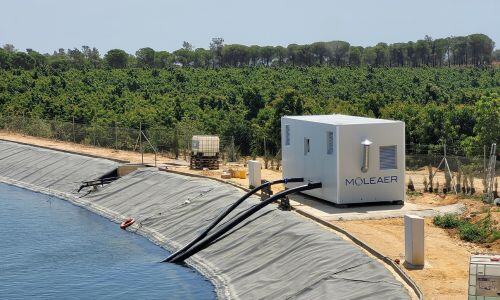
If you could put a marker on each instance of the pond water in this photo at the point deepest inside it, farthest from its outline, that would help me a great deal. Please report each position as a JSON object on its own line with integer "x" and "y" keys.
{"x": 51, "y": 249}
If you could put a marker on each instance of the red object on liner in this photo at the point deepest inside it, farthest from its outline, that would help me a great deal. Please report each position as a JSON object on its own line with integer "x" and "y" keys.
{"x": 126, "y": 223}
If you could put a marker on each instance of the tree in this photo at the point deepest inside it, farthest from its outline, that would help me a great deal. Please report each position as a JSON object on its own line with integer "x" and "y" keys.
{"x": 202, "y": 57}
{"x": 422, "y": 52}
{"x": 183, "y": 57}
{"x": 281, "y": 55}
{"x": 355, "y": 56}
{"x": 397, "y": 55}
{"x": 187, "y": 46}
{"x": 410, "y": 54}
{"x": 481, "y": 48}
{"x": 487, "y": 127}
{"x": 320, "y": 52}
{"x": 77, "y": 58}
{"x": 369, "y": 56}
{"x": 339, "y": 50}
{"x": 235, "y": 55}
{"x": 216, "y": 47}
{"x": 116, "y": 58}
{"x": 267, "y": 54}
{"x": 293, "y": 53}
{"x": 23, "y": 61}
{"x": 5, "y": 59}
{"x": 92, "y": 56}
{"x": 305, "y": 56}
{"x": 40, "y": 60}
{"x": 9, "y": 48}
{"x": 381, "y": 54}
{"x": 254, "y": 53}
{"x": 163, "y": 59}
{"x": 440, "y": 49}
{"x": 145, "y": 57}
{"x": 459, "y": 50}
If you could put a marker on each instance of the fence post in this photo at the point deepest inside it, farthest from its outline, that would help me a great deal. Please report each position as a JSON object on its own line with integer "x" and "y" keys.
{"x": 484, "y": 159}
{"x": 140, "y": 143}
{"x": 116, "y": 137}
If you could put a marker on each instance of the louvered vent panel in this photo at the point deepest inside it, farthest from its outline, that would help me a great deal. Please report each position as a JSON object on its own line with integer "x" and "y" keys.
{"x": 329, "y": 143}
{"x": 287, "y": 135}
{"x": 388, "y": 157}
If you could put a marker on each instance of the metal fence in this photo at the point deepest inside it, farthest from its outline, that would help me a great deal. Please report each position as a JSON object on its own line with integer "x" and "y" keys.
{"x": 176, "y": 142}
{"x": 172, "y": 142}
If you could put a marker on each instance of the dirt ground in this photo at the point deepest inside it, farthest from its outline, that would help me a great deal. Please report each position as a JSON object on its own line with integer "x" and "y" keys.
{"x": 446, "y": 271}
{"x": 446, "y": 268}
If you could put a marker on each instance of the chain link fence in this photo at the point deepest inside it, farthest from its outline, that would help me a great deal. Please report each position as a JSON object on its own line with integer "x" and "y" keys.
{"x": 173, "y": 142}
{"x": 436, "y": 168}
{"x": 421, "y": 160}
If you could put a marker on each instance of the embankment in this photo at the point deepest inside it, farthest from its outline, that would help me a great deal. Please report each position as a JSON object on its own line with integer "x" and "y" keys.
{"x": 276, "y": 255}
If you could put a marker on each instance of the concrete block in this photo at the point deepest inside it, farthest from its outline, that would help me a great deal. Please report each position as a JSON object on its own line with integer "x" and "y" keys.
{"x": 254, "y": 175}
{"x": 414, "y": 240}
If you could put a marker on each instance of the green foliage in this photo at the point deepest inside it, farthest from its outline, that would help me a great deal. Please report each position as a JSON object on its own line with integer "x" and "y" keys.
{"x": 473, "y": 232}
{"x": 447, "y": 221}
{"x": 479, "y": 232}
{"x": 471, "y": 50}
{"x": 437, "y": 104}
{"x": 116, "y": 58}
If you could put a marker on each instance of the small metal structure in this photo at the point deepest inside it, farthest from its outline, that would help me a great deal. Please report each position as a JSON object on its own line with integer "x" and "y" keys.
{"x": 447, "y": 170}
{"x": 490, "y": 174}
{"x": 140, "y": 143}
{"x": 204, "y": 152}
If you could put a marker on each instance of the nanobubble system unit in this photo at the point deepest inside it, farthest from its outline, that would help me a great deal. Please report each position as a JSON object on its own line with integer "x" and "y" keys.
{"x": 356, "y": 159}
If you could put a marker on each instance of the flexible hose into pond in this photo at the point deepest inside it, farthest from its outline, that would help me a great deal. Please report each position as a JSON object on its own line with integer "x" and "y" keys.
{"x": 213, "y": 237}
{"x": 227, "y": 212}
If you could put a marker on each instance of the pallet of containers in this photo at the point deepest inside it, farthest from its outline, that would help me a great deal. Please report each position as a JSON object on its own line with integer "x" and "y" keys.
{"x": 204, "y": 152}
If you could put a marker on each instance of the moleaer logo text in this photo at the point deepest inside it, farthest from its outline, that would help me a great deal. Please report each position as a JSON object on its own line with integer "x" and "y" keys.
{"x": 359, "y": 181}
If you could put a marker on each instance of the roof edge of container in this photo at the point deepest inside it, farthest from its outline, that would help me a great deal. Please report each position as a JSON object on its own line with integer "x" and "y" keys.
{"x": 341, "y": 119}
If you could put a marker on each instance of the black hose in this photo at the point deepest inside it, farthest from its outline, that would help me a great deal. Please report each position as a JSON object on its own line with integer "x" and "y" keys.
{"x": 227, "y": 211}
{"x": 213, "y": 237}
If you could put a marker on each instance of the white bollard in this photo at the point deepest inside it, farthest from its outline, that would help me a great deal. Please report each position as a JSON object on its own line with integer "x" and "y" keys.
{"x": 254, "y": 176}
{"x": 414, "y": 240}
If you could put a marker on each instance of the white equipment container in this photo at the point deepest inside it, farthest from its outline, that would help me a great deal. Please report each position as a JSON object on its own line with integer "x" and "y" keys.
{"x": 484, "y": 277}
{"x": 254, "y": 173}
{"x": 414, "y": 240}
{"x": 205, "y": 145}
{"x": 356, "y": 159}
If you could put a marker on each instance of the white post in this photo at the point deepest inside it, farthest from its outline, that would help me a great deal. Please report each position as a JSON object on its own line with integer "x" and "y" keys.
{"x": 414, "y": 240}
{"x": 254, "y": 176}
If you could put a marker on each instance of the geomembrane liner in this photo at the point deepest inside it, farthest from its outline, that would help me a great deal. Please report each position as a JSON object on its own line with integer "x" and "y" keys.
{"x": 273, "y": 254}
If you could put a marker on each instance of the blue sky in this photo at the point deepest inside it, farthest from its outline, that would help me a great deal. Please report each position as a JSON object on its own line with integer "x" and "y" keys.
{"x": 46, "y": 25}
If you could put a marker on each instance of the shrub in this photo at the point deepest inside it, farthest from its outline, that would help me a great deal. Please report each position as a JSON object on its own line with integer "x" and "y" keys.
{"x": 447, "y": 221}
{"x": 470, "y": 232}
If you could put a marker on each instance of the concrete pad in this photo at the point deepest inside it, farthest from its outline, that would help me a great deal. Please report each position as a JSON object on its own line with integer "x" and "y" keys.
{"x": 372, "y": 211}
